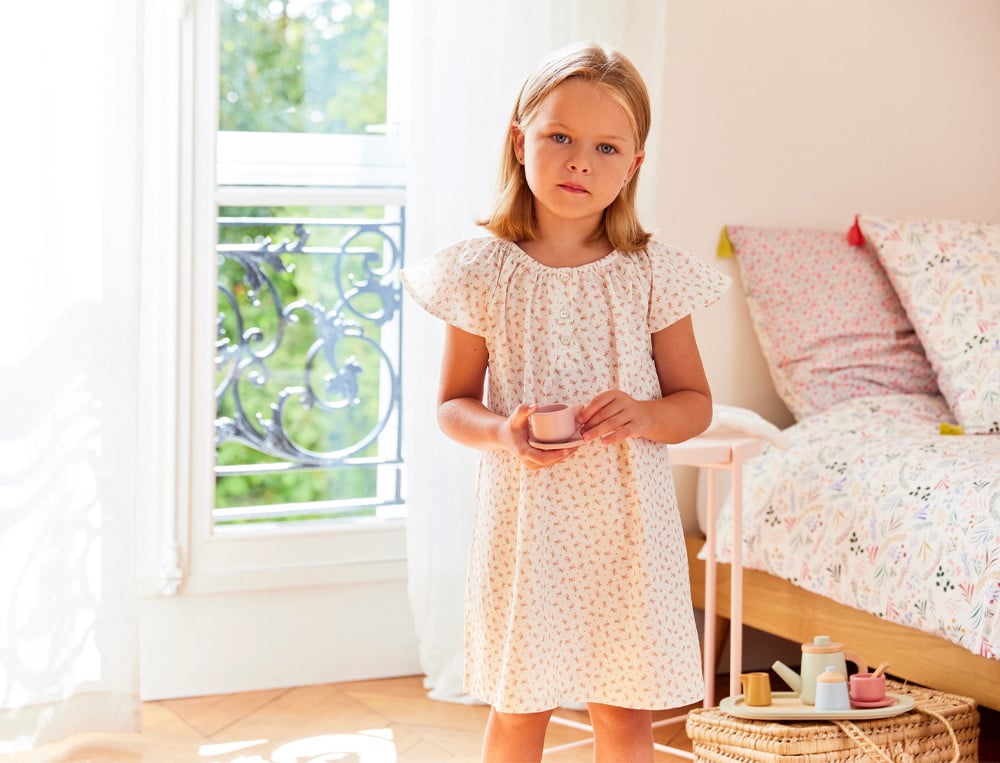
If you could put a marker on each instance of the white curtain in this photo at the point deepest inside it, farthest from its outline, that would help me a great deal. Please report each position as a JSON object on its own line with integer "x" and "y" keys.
{"x": 69, "y": 74}
{"x": 468, "y": 61}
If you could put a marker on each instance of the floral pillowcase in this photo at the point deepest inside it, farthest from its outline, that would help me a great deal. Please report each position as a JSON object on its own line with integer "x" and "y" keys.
{"x": 947, "y": 275}
{"x": 829, "y": 323}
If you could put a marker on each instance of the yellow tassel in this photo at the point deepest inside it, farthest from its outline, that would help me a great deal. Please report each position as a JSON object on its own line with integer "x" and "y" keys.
{"x": 947, "y": 428}
{"x": 725, "y": 247}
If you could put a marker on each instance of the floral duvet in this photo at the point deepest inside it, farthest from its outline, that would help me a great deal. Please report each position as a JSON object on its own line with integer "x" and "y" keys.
{"x": 874, "y": 508}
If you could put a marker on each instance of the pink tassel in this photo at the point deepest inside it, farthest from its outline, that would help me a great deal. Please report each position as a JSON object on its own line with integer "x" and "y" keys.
{"x": 854, "y": 236}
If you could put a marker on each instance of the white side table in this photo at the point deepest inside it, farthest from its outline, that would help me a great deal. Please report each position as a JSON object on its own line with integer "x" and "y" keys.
{"x": 721, "y": 452}
{"x": 714, "y": 452}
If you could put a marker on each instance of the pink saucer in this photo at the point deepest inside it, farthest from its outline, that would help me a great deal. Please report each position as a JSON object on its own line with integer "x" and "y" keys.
{"x": 884, "y": 702}
{"x": 573, "y": 442}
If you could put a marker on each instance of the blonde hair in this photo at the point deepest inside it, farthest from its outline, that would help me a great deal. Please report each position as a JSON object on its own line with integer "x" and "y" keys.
{"x": 513, "y": 216}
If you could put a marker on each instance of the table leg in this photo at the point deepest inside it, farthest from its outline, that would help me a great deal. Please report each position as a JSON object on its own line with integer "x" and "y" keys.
{"x": 709, "y": 658}
{"x": 736, "y": 581}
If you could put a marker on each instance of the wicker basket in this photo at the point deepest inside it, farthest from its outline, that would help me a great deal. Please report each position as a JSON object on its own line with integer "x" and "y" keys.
{"x": 942, "y": 728}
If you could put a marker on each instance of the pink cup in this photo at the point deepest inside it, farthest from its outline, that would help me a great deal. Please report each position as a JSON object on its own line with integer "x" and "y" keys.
{"x": 553, "y": 423}
{"x": 866, "y": 687}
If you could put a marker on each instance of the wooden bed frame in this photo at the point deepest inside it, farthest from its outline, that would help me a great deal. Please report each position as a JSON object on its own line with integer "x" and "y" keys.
{"x": 776, "y": 606}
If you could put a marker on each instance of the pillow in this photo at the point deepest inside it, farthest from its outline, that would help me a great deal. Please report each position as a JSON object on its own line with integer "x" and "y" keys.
{"x": 947, "y": 275}
{"x": 829, "y": 323}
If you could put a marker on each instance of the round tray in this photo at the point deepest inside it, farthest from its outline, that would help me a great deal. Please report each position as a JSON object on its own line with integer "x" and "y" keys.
{"x": 786, "y": 706}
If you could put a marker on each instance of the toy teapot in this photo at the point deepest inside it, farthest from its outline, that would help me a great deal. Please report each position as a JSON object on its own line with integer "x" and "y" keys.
{"x": 817, "y": 657}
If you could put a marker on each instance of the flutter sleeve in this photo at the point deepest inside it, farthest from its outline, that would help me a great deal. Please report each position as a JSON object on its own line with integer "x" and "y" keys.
{"x": 680, "y": 284}
{"x": 457, "y": 283}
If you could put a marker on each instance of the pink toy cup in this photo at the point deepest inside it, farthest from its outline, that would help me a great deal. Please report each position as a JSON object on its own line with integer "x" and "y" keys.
{"x": 553, "y": 423}
{"x": 866, "y": 687}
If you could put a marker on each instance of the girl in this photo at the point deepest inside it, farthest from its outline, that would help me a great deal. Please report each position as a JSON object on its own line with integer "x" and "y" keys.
{"x": 577, "y": 587}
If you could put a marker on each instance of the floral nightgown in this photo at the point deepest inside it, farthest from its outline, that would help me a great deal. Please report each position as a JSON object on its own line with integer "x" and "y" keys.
{"x": 577, "y": 587}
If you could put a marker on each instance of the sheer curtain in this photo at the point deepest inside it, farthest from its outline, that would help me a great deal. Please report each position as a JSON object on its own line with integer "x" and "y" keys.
{"x": 468, "y": 61}
{"x": 68, "y": 370}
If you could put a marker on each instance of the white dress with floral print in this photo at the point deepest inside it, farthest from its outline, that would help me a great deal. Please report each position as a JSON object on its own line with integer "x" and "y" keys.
{"x": 578, "y": 586}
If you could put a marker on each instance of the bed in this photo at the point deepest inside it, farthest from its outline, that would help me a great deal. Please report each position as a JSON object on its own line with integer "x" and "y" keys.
{"x": 879, "y": 523}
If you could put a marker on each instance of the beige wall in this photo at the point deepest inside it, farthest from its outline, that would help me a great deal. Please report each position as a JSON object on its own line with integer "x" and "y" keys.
{"x": 803, "y": 112}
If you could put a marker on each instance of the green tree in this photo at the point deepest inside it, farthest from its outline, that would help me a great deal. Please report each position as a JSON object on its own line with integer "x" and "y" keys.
{"x": 314, "y": 66}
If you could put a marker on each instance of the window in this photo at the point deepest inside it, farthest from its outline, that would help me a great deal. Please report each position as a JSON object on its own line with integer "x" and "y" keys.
{"x": 304, "y": 66}
{"x": 311, "y": 215}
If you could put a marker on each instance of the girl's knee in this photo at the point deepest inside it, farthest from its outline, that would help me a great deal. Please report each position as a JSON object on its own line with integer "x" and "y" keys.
{"x": 514, "y": 736}
{"x": 620, "y": 718}
{"x": 520, "y": 721}
{"x": 622, "y": 734}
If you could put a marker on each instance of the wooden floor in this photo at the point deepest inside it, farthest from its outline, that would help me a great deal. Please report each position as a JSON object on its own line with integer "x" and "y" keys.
{"x": 385, "y": 721}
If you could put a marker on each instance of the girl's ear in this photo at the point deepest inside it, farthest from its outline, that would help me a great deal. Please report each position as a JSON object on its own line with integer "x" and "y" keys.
{"x": 517, "y": 136}
{"x": 636, "y": 163}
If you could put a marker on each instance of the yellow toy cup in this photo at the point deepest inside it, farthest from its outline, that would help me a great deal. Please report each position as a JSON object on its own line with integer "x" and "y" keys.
{"x": 756, "y": 689}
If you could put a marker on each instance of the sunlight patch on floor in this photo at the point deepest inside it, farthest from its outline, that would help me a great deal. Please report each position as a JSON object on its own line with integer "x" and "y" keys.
{"x": 224, "y": 748}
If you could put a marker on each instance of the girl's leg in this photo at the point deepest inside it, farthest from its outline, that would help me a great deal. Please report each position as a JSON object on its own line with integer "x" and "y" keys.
{"x": 621, "y": 735}
{"x": 515, "y": 737}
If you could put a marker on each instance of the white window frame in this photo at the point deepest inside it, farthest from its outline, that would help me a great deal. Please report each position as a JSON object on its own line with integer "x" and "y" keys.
{"x": 179, "y": 549}
{"x": 309, "y": 160}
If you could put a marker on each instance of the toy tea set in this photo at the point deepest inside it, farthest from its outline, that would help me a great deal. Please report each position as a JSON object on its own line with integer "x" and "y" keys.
{"x": 822, "y": 690}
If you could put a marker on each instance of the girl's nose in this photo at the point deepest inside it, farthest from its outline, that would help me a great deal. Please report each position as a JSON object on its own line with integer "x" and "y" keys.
{"x": 577, "y": 165}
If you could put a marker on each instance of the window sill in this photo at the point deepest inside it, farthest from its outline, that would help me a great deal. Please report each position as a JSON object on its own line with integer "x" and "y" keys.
{"x": 265, "y": 559}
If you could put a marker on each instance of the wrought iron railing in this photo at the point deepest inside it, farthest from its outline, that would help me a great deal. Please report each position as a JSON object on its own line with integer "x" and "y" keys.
{"x": 308, "y": 365}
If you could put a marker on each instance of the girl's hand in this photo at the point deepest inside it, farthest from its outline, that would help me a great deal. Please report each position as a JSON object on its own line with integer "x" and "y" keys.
{"x": 515, "y": 433}
{"x": 614, "y": 416}
{"x": 683, "y": 410}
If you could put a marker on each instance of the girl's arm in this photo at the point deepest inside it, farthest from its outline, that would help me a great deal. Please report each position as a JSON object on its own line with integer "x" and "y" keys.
{"x": 685, "y": 409}
{"x": 461, "y": 413}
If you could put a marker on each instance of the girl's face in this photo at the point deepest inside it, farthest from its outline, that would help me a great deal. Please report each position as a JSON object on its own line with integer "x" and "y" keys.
{"x": 578, "y": 153}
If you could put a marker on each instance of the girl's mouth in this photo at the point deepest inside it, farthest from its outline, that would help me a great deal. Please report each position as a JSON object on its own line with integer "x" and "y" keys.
{"x": 573, "y": 187}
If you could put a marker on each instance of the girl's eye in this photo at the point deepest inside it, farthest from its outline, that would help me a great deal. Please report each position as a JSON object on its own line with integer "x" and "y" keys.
{"x": 604, "y": 148}
{"x": 560, "y": 138}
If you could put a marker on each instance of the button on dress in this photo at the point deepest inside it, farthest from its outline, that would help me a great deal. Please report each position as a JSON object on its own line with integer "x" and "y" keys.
{"x": 577, "y": 587}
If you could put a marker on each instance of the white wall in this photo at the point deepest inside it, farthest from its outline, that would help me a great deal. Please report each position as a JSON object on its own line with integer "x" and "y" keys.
{"x": 804, "y": 112}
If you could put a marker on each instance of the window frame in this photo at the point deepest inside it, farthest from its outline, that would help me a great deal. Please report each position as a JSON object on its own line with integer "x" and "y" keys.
{"x": 309, "y": 160}
{"x": 179, "y": 548}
